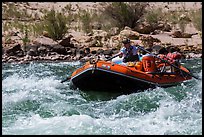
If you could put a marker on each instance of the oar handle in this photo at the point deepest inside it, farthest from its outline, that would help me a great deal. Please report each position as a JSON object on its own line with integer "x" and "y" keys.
{"x": 113, "y": 57}
{"x": 168, "y": 62}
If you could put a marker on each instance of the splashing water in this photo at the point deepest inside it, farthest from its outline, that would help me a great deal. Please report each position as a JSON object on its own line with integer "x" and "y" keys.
{"x": 35, "y": 102}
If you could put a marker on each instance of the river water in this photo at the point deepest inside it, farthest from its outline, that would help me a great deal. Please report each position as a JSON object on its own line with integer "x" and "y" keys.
{"x": 35, "y": 102}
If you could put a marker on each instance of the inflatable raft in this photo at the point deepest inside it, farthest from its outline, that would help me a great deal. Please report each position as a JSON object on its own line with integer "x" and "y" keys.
{"x": 109, "y": 76}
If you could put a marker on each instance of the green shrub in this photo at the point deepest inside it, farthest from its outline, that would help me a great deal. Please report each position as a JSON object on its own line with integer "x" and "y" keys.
{"x": 55, "y": 24}
{"x": 175, "y": 18}
{"x": 25, "y": 38}
{"x": 154, "y": 15}
{"x": 67, "y": 8}
{"x": 182, "y": 24}
{"x": 196, "y": 17}
{"x": 86, "y": 19}
{"x": 5, "y": 26}
{"x": 37, "y": 28}
{"x": 172, "y": 17}
{"x": 125, "y": 14}
{"x": 13, "y": 11}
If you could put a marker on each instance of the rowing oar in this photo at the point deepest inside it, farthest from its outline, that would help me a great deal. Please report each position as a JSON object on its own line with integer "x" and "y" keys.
{"x": 168, "y": 63}
{"x": 112, "y": 57}
{"x": 68, "y": 78}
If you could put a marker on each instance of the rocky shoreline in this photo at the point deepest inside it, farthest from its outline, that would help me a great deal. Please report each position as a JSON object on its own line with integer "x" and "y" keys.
{"x": 81, "y": 46}
{"x": 84, "y": 48}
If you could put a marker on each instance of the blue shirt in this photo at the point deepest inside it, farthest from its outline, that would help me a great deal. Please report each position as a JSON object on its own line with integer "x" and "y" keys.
{"x": 132, "y": 49}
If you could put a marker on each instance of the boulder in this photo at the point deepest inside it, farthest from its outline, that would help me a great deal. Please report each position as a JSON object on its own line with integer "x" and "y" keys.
{"x": 12, "y": 51}
{"x": 129, "y": 33}
{"x": 32, "y": 46}
{"x": 179, "y": 34}
{"x": 188, "y": 35}
{"x": 42, "y": 50}
{"x": 156, "y": 48}
{"x": 148, "y": 41}
{"x": 66, "y": 42}
{"x": 59, "y": 49}
{"x": 44, "y": 41}
{"x": 167, "y": 27}
{"x": 108, "y": 52}
{"x": 96, "y": 26}
{"x": 144, "y": 28}
{"x": 87, "y": 51}
{"x": 32, "y": 52}
{"x": 45, "y": 33}
{"x": 114, "y": 31}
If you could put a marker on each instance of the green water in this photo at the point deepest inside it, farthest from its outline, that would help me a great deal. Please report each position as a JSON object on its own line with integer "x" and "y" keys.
{"x": 35, "y": 102}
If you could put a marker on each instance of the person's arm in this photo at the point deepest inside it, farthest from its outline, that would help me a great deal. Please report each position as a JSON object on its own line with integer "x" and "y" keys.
{"x": 138, "y": 49}
{"x": 121, "y": 52}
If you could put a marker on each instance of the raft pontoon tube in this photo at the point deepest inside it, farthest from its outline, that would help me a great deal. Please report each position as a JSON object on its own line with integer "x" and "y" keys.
{"x": 109, "y": 76}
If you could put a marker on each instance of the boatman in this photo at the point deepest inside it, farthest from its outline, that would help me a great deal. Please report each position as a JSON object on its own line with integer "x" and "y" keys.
{"x": 174, "y": 58}
{"x": 128, "y": 51}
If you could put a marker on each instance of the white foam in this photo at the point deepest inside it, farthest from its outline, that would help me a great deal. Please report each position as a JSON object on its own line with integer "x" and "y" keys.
{"x": 168, "y": 118}
{"x": 74, "y": 63}
{"x": 119, "y": 116}
{"x": 24, "y": 87}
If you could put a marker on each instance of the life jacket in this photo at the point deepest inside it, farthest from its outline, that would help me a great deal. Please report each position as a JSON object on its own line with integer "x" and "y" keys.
{"x": 174, "y": 55}
{"x": 148, "y": 63}
{"x": 162, "y": 56}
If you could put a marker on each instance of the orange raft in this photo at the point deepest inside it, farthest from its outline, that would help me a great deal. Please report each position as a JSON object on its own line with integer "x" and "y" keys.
{"x": 109, "y": 76}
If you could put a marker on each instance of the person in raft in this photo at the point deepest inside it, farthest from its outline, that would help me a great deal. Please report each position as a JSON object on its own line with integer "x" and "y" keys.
{"x": 128, "y": 52}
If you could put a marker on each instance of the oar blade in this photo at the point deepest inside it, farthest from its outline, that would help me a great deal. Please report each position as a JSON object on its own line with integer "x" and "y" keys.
{"x": 68, "y": 78}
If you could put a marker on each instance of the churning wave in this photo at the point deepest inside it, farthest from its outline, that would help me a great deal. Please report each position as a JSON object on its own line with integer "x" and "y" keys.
{"x": 35, "y": 102}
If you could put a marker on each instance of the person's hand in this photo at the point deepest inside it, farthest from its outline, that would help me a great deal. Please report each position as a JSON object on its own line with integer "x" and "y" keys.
{"x": 120, "y": 55}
